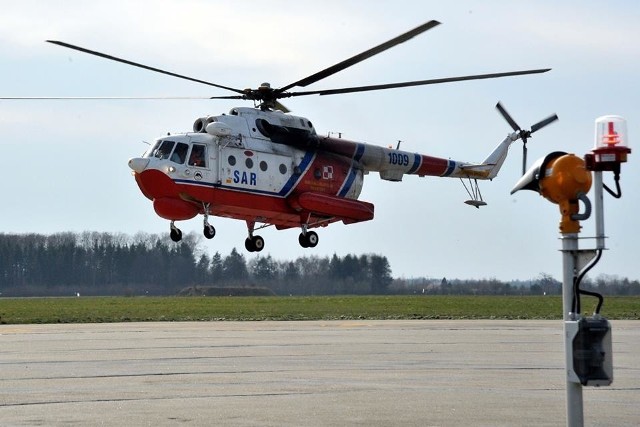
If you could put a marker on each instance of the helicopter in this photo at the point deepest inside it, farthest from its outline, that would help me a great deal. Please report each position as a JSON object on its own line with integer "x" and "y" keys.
{"x": 268, "y": 167}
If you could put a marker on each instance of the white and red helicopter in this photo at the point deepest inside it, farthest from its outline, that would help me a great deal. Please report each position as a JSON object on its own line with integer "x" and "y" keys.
{"x": 266, "y": 167}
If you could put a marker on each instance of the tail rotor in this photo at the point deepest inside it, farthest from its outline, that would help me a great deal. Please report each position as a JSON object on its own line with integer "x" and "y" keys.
{"x": 522, "y": 134}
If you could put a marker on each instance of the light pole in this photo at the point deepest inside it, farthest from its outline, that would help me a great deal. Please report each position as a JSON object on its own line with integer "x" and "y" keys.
{"x": 565, "y": 180}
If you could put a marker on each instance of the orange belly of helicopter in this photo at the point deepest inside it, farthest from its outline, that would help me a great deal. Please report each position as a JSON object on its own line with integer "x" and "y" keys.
{"x": 182, "y": 201}
{"x": 155, "y": 184}
{"x": 174, "y": 209}
{"x": 165, "y": 195}
{"x": 346, "y": 209}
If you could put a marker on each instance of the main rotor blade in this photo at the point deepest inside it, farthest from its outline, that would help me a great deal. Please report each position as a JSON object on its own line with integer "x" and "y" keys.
{"x": 543, "y": 123}
{"x": 412, "y": 83}
{"x": 135, "y": 64}
{"x": 82, "y": 98}
{"x": 361, "y": 56}
{"x": 228, "y": 97}
{"x": 507, "y": 117}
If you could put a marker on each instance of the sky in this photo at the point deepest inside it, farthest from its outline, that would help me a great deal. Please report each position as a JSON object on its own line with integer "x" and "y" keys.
{"x": 65, "y": 162}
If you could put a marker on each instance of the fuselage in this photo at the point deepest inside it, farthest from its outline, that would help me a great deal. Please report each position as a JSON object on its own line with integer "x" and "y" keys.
{"x": 236, "y": 171}
{"x": 273, "y": 168}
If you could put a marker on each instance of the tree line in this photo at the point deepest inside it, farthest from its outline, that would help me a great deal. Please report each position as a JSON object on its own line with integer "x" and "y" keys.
{"x": 94, "y": 263}
{"x": 543, "y": 284}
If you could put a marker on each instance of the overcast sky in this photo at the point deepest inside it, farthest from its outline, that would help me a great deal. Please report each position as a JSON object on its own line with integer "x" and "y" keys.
{"x": 65, "y": 162}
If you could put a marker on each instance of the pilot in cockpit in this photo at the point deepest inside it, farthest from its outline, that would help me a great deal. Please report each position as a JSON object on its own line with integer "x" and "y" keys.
{"x": 197, "y": 157}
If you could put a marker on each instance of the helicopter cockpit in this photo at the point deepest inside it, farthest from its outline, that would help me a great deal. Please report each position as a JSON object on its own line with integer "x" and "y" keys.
{"x": 179, "y": 152}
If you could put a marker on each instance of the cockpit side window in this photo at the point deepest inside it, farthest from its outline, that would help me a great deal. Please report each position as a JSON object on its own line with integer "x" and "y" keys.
{"x": 180, "y": 153}
{"x": 164, "y": 150}
{"x": 198, "y": 156}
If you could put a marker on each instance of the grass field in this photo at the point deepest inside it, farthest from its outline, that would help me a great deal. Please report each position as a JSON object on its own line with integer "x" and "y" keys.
{"x": 136, "y": 309}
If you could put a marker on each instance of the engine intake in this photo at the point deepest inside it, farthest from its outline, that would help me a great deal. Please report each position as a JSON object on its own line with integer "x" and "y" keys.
{"x": 200, "y": 125}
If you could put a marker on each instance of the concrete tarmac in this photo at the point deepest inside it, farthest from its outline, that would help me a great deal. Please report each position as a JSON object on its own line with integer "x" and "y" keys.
{"x": 320, "y": 373}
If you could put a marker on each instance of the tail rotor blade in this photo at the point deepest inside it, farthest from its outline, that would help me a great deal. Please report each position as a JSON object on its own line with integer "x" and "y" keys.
{"x": 524, "y": 135}
{"x": 507, "y": 117}
{"x": 543, "y": 123}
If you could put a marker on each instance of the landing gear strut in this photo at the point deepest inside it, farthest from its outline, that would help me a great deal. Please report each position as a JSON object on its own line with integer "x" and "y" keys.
{"x": 209, "y": 230}
{"x": 175, "y": 234}
{"x": 307, "y": 239}
{"x": 253, "y": 243}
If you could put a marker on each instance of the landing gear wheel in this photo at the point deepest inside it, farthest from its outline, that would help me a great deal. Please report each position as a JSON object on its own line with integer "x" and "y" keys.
{"x": 209, "y": 231}
{"x": 258, "y": 243}
{"x": 312, "y": 239}
{"x": 309, "y": 240}
{"x": 175, "y": 234}
{"x": 254, "y": 244}
{"x": 302, "y": 239}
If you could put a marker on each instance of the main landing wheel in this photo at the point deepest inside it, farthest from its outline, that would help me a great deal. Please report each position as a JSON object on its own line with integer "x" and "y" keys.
{"x": 254, "y": 244}
{"x": 309, "y": 240}
{"x": 209, "y": 231}
{"x": 175, "y": 234}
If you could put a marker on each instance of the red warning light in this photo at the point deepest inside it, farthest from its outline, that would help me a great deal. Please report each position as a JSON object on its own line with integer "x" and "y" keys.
{"x": 611, "y": 146}
{"x": 611, "y": 137}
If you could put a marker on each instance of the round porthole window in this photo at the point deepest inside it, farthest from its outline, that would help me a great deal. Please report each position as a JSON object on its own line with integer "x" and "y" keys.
{"x": 249, "y": 163}
{"x": 263, "y": 166}
{"x": 283, "y": 168}
{"x": 232, "y": 160}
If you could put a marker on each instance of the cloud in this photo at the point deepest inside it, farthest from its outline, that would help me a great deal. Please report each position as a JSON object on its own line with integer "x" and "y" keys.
{"x": 195, "y": 31}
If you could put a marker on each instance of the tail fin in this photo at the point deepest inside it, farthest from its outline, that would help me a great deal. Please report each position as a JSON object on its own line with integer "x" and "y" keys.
{"x": 498, "y": 156}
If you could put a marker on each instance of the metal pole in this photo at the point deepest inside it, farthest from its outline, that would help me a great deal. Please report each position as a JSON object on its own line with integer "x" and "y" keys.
{"x": 575, "y": 413}
{"x": 599, "y": 208}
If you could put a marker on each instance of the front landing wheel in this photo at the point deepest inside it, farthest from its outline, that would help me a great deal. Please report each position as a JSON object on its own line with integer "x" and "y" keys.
{"x": 209, "y": 231}
{"x": 175, "y": 234}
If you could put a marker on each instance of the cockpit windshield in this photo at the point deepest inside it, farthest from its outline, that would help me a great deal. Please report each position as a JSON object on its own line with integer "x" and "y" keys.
{"x": 151, "y": 151}
{"x": 177, "y": 152}
{"x": 166, "y": 149}
{"x": 161, "y": 149}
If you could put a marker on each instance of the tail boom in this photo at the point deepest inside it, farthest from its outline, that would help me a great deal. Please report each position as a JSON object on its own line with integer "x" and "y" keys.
{"x": 393, "y": 164}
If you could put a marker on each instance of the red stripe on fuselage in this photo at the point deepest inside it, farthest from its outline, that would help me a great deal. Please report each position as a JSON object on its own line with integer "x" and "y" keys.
{"x": 433, "y": 166}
